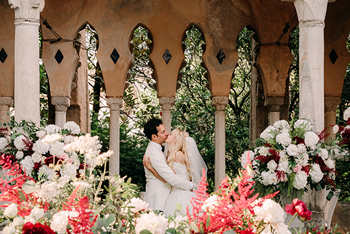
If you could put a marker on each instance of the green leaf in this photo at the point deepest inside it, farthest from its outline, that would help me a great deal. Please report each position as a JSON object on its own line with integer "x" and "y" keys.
{"x": 330, "y": 195}
{"x": 319, "y": 188}
{"x": 229, "y": 232}
{"x": 21, "y": 196}
{"x": 145, "y": 231}
{"x": 110, "y": 219}
{"x": 170, "y": 231}
{"x": 29, "y": 187}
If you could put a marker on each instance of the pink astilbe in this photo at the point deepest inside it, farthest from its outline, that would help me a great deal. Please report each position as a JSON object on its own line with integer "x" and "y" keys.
{"x": 81, "y": 223}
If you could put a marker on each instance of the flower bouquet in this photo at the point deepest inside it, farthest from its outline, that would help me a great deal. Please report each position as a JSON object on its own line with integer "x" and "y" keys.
{"x": 343, "y": 136}
{"x": 291, "y": 158}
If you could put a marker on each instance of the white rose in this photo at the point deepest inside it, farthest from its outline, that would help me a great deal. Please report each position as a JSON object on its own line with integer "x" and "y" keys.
{"x": 304, "y": 124}
{"x": 3, "y": 143}
{"x": 324, "y": 154}
{"x": 263, "y": 151}
{"x": 19, "y": 142}
{"x": 11, "y": 210}
{"x": 37, "y": 213}
{"x": 268, "y": 133}
{"x": 272, "y": 165}
{"x": 316, "y": 173}
{"x": 281, "y": 124}
{"x": 49, "y": 139}
{"x": 330, "y": 163}
{"x": 300, "y": 180}
{"x": 335, "y": 129}
{"x": 9, "y": 230}
{"x": 40, "y": 134}
{"x": 302, "y": 160}
{"x": 19, "y": 154}
{"x": 29, "y": 219}
{"x": 346, "y": 114}
{"x": 72, "y": 127}
{"x": 270, "y": 211}
{"x": 311, "y": 139}
{"x": 283, "y": 139}
{"x": 284, "y": 166}
{"x": 301, "y": 148}
{"x": 18, "y": 221}
{"x": 37, "y": 157}
{"x": 51, "y": 128}
{"x": 40, "y": 147}
{"x": 59, "y": 222}
{"x": 292, "y": 150}
{"x": 136, "y": 205}
{"x": 156, "y": 224}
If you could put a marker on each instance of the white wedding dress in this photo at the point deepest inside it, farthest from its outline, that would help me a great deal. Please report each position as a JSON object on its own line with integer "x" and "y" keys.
{"x": 178, "y": 195}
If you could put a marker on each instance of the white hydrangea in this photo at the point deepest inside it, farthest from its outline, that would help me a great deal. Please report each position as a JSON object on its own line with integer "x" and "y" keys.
{"x": 46, "y": 171}
{"x": 268, "y": 133}
{"x": 272, "y": 165}
{"x": 41, "y": 134}
{"x": 292, "y": 150}
{"x": 47, "y": 191}
{"x": 3, "y": 143}
{"x": 19, "y": 142}
{"x": 56, "y": 148}
{"x": 19, "y": 154}
{"x": 311, "y": 139}
{"x": 59, "y": 222}
{"x": 281, "y": 124}
{"x": 156, "y": 224}
{"x": 335, "y": 129}
{"x": 316, "y": 173}
{"x": 300, "y": 180}
{"x": 37, "y": 157}
{"x": 323, "y": 153}
{"x": 72, "y": 127}
{"x": 303, "y": 124}
{"x": 69, "y": 139}
{"x": 330, "y": 163}
{"x": 51, "y": 128}
{"x": 28, "y": 164}
{"x": 346, "y": 114}
{"x": 88, "y": 145}
{"x": 40, "y": 147}
{"x": 283, "y": 139}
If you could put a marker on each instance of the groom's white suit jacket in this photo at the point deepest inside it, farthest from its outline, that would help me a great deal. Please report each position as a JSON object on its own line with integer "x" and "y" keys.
{"x": 156, "y": 190}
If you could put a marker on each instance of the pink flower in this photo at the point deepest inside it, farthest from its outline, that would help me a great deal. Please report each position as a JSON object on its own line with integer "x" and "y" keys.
{"x": 64, "y": 156}
{"x": 300, "y": 208}
{"x": 297, "y": 168}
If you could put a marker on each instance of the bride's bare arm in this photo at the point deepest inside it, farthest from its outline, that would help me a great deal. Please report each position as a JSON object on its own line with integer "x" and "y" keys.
{"x": 148, "y": 165}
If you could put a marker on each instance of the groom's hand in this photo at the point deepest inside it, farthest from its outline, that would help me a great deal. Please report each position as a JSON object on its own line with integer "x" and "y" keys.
{"x": 147, "y": 163}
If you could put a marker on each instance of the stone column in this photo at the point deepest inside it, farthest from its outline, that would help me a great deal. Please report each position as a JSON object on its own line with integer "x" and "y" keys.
{"x": 27, "y": 81}
{"x": 220, "y": 103}
{"x": 330, "y": 106}
{"x": 5, "y": 104}
{"x": 273, "y": 105}
{"x": 61, "y": 104}
{"x": 166, "y": 104}
{"x": 311, "y": 15}
{"x": 114, "y": 132}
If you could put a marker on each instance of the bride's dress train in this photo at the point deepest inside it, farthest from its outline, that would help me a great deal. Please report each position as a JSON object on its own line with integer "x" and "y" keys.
{"x": 178, "y": 195}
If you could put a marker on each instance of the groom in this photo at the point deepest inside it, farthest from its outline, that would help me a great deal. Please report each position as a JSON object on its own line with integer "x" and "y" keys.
{"x": 156, "y": 190}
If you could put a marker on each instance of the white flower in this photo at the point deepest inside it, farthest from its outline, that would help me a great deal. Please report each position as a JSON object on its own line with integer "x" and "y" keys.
{"x": 304, "y": 124}
{"x": 9, "y": 230}
{"x": 263, "y": 151}
{"x": 19, "y": 142}
{"x": 272, "y": 165}
{"x": 69, "y": 139}
{"x": 270, "y": 211}
{"x": 284, "y": 166}
{"x": 37, "y": 213}
{"x": 316, "y": 173}
{"x": 59, "y": 222}
{"x": 82, "y": 185}
{"x": 244, "y": 157}
{"x": 40, "y": 147}
{"x": 302, "y": 160}
{"x": 19, "y": 154}
{"x": 281, "y": 124}
{"x": 51, "y": 128}
{"x": 40, "y": 134}
{"x": 335, "y": 129}
{"x": 301, "y": 148}
{"x": 102, "y": 158}
{"x": 211, "y": 203}
{"x": 324, "y": 154}
{"x": 346, "y": 114}
{"x": 330, "y": 163}
{"x": 156, "y": 224}
{"x": 283, "y": 139}
{"x": 56, "y": 148}
{"x": 48, "y": 139}
{"x": 46, "y": 171}
{"x": 28, "y": 165}
{"x": 268, "y": 178}
{"x": 69, "y": 170}
{"x": 3, "y": 143}
{"x": 72, "y": 127}
{"x": 136, "y": 204}
{"x": 268, "y": 133}
{"x": 90, "y": 146}
{"x": 11, "y": 210}
{"x": 18, "y": 221}
{"x": 63, "y": 180}
{"x": 300, "y": 180}
{"x": 37, "y": 157}
{"x": 47, "y": 191}
{"x": 311, "y": 139}
{"x": 29, "y": 219}
{"x": 292, "y": 150}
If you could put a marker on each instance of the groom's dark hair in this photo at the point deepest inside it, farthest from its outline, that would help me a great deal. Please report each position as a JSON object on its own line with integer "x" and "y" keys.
{"x": 150, "y": 127}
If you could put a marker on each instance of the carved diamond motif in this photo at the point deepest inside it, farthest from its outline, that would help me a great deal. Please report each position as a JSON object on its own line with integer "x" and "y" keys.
{"x": 167, "y": 56}
{"x": 115, "y": 56}
{"x": 221, "y": 56}
{"x": 333, "y": 56}
{"x": 3, "y": 55}
{"x": 59, "y": 56}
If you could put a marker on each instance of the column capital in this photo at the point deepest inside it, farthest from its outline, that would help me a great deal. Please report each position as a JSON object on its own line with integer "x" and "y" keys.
{"x": 220, "y": 102}
{"x": 311, "y": 10}
{"x": 331, "y": 103}
{"x": 27, "y": 11}
{"x": 166, "y": 103}
{"x": 274, "y": 103}
{"x": 6, "y": 101}
{"x": 114, "y": 103}
{"x": 60, "y": 103}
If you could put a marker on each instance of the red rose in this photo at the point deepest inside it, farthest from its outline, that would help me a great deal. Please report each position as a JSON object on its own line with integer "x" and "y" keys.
{"x": 247, "y": 232}
{"x": 37, "y": 228}
{"x": 300, "y": 208}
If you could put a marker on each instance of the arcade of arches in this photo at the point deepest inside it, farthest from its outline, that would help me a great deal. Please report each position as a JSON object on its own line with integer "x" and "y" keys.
{"x": 324, "y": 28}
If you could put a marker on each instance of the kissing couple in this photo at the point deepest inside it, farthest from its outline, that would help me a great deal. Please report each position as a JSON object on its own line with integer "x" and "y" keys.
{"x": 171, "y": 179}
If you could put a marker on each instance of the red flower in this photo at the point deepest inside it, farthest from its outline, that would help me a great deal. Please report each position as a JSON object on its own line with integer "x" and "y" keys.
{"x": 247, "y": 232}
{"x": 300, "y": 208}
{"x": 37, "y": 228}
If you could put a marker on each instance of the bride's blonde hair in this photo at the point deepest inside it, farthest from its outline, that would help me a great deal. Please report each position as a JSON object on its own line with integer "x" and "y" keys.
{"x": 179, "y": 144}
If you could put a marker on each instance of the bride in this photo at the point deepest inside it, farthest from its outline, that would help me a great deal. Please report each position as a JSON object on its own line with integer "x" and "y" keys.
{"x": 185, "y": 160}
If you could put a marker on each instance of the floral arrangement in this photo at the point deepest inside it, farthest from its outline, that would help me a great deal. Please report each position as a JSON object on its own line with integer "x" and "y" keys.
{"x": 291, "y": 158}
{"x": 343, "y": 136}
